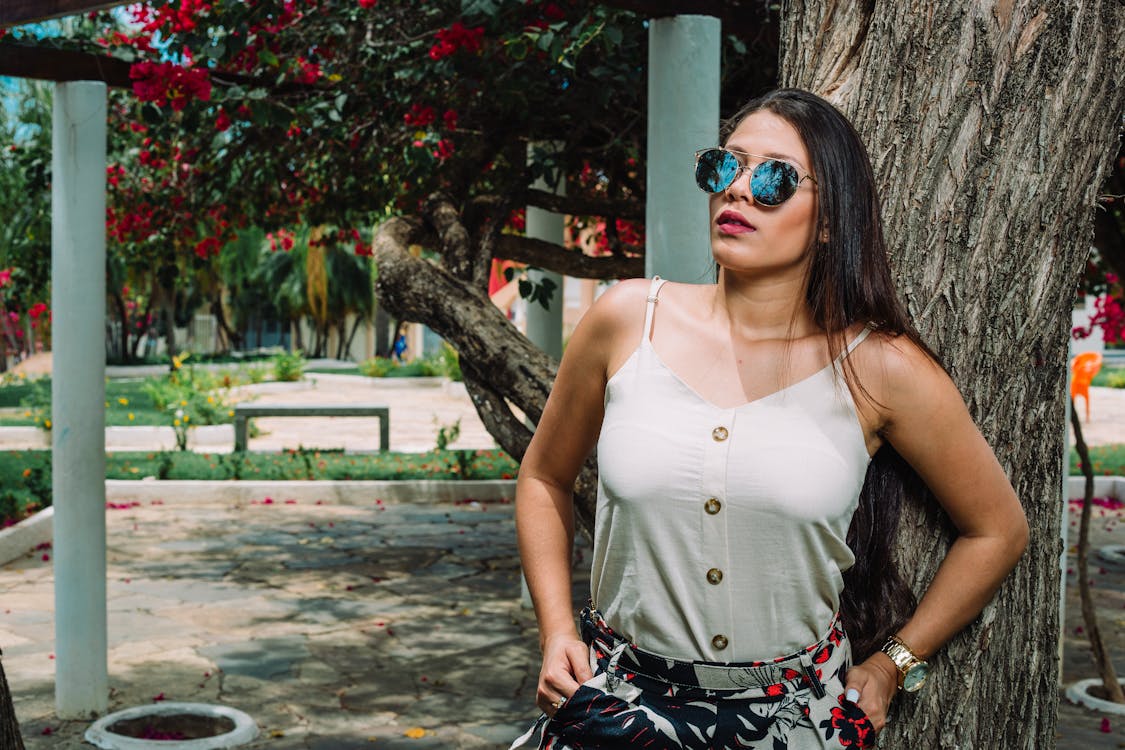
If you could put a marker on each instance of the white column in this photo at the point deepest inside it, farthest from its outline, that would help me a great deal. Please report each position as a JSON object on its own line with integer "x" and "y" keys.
{"x": 78, "y": 397}
{"x": 683, "y": 116}
{"x": 544, "y": 325}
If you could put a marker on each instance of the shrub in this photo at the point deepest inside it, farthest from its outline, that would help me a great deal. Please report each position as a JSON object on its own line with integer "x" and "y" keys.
{"x": 189, "y": 397}
{"x": 449, "y": 362}
{"x": 1116, "y": 379}
{"x": 377, "y": 367}
{"x": 288, "y": 366}
{"x": 37, "y": 403}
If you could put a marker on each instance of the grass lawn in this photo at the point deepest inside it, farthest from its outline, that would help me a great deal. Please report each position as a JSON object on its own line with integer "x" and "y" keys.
{"x": 1110, "y": 377}
{"x": 335, "y": 370}
{"x": 127, "y": 405}
{"x": 1108, "y": 460}
{"x": 25, "y": 476}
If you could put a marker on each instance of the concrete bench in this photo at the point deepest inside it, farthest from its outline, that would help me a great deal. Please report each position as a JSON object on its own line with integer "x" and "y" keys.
{"x": 243, "y": 412}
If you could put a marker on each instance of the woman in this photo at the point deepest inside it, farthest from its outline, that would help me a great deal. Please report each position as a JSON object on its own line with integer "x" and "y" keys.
{"x": 735, "y": 425}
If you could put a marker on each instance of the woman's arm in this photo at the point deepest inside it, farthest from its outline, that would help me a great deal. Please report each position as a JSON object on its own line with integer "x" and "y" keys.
{"x": 924, "y": 417}
{"x": 564, "y": 437}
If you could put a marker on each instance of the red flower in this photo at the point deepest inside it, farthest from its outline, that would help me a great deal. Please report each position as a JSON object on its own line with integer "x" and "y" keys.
{"x": 450, "y": 119}
{"x": 222, "y": 122}
{"x": 553, "y": 12}
{"x": 5, "y": 277}
{"x": 420, "y": 115}
{"x": 367, "y": 4}
{"x": 169, "y": 84}
{"x": 207, "y": 247}
{"x": 307, "y": 72}
{"x": 457, "y": 37}
{"x": 36, "y": 310}
{"x": 444, "y": 149}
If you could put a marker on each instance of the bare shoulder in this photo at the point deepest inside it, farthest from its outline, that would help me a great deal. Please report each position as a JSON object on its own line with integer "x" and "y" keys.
{"x": 621, "y": 303}
{"x": 901, "y": 376}
{"x": 613, "y": 325}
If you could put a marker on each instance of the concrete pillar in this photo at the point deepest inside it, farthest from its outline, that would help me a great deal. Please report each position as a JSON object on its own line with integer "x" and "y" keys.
{"x": 544, "y": 325}
{"x": 78, "y": 165}
{"x": 683, "y": 117}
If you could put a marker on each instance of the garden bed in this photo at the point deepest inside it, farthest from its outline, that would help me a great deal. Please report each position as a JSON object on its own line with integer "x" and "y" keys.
{"x": 27, "y": 474}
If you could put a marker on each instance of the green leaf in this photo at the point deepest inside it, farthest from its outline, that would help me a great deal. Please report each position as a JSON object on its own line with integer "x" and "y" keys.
{"x": 613, "y": 35}
{"x": 482, "y": 7}
{"x": 267, "y": 57}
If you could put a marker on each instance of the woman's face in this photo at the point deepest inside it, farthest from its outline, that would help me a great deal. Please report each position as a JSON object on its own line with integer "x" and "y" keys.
{"x": 748, "y": 237}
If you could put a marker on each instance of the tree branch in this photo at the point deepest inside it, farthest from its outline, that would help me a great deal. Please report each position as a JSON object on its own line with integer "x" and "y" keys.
{"x": 552, "y": 257}
{"x": 456, "y": 247}
{"x": 417, "y": 290}
{"x": 580, "y": 205}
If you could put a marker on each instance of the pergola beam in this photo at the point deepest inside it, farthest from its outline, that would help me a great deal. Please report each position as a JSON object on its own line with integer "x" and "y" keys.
{"x": 19, "y": 12}
{"x": 60, "y": 65}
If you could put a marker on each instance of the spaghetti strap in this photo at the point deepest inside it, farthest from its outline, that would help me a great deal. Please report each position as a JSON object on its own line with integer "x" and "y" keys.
{"x": 650, "y": 306}
{"x": 853, "y": 344}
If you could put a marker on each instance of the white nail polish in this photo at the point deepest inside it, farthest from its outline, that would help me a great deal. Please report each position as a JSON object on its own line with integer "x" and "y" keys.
{"x": 852, "y": 695}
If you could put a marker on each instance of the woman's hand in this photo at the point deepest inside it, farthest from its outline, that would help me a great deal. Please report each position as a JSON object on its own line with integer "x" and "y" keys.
{"x": 876, "y": 682}
{"x": 566, "y": 664}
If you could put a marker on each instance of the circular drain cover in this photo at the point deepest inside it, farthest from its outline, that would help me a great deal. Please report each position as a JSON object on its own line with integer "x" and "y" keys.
{"x": 175, "y": 726}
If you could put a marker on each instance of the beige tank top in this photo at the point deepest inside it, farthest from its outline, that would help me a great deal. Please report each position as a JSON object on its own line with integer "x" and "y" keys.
{"x": 720, "y": 533}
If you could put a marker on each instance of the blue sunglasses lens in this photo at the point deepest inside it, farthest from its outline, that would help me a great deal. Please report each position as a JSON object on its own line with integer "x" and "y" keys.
{"x": 715, "y": 170}
{"x": 771, "y": 183}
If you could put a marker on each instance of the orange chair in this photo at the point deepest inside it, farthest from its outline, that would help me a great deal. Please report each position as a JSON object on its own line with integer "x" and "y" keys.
{"x": 1083, "y": 368}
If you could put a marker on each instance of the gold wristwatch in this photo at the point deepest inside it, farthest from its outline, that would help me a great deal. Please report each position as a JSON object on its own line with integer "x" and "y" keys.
{"x": 912, "y": 671}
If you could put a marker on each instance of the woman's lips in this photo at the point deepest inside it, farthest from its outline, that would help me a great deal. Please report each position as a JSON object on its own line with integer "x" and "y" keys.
{"x": 732, "y": 222}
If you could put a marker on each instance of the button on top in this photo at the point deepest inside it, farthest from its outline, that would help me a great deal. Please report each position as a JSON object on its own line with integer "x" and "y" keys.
{"x": 719, "y": 642}
{"x": 712, "y": 506}
{"x": 720, "y": 434}
{"x": 714, "y": 576}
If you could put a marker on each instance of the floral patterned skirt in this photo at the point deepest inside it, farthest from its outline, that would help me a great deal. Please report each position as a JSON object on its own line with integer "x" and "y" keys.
{"x": 641, "y": 700}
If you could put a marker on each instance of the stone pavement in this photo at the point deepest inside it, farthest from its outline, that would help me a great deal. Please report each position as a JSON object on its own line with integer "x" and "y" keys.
{"x": 340, "y": 626}
{"x": 333, "y": 626}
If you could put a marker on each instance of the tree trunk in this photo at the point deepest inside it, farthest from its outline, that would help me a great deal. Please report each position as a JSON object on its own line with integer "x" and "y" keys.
{"x": 991, "y": 126}
{"x": 231, "y": 337}
{"x": 346, "y": 351}
{"x": 10, "y": 738}
{"x": 123, "y": 315}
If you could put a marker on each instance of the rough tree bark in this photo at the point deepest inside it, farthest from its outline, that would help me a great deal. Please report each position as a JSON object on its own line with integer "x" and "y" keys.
{"x": 990, "y": 125}
{"x": 10, "y": 738}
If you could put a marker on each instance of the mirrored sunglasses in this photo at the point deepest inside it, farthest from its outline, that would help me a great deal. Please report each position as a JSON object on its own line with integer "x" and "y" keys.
{"x": 772, "y": 181}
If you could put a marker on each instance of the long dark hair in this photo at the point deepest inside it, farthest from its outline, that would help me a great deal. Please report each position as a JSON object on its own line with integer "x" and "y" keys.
{"x": 849, "y": 282}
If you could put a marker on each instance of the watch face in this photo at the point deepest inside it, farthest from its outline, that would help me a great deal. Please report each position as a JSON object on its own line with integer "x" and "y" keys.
{"x": 915, "y": 677}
